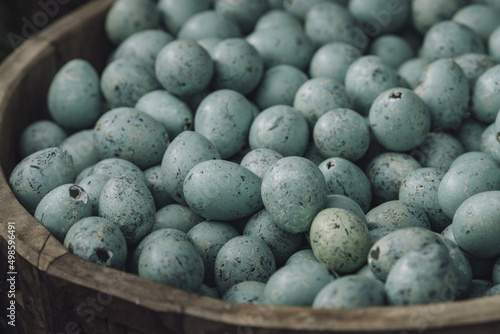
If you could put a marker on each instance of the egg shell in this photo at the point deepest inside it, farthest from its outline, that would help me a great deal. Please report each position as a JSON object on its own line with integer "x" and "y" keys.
{"x": 396, "y": 214}
{"x": 40, "y": 135}
{"x": 244, "y": 13}
{"x": 116, "y": 167}
{"x": 172, "y": 260}
{"x": 421, "y": 277}
{"x": 158, "y": 234}
{"x": 184, "y": 67}
{"x": 461, "y": 266}
{"x": 279, "y": 85}
{"x": 260, "y": 160}
{"x": 387, "y": 250}
{"x": 330, "y": 22}
{"x": 445, "y": 90}
{"x": 131, "y": 135}
{"x": 425, "y": 13}
{"x": 392, "y": 49}
{"x": 448, "y": 39}
{"x": 478, "y": 288}
{"x": 84, "y": 173}
{"x": 363, "y": 11}
{"x": 97, "y": 240}
{"x": 174, "y": 13}
{"x": 157, "y": 187}
{"x": 293, "y": 192}
{"x": 490, "y": 143}
{"x": 74, "y": 98}
{"x": 295, "y": 49}
{"x": 208, "y": 237}
{"x": 340, "y": 239}
{"x": 420, "y": 189}
{"x": 332, "y": 60}
{"x": 130, "y": 16}
{"x": 224, "y": 117}
{"x": 386, "y": 172}
{"x": 493, "y": 44}
{"x": 61, "y": 208}
{"x": 316, "y": 96}
{"x": 299, "y": 8}
{"x": 471, "y": 157}
{"x": 222, "y": 190}
{"x": 351, "y": 291}
{"x": 277, "y": 18}
{"x": 304, "y": 282}
{"x": 125, "y": 80}
{"x": 280, "y": 128}
{"x": 177, "y": 216}
{"x": 209, "y": 43}
{"x": 485, "y": 97}
{"x": 184, "y": 152}
{"x": 167, "y": 109}
{"x": 208, "y": 23}
{"x": 243, "y": 258}
{"x": 302, "y": 256}
{"x": 341, "y": 133}
{"x": 129, "y": 204}
{"x": 473, "y": 65}
{"x": 345, "y": 178}
{"x": 380, "y": 232}
{"x": 365, "y": 271}
{"x": 470, "y": 133}
{"x": 39, "y": 173}
{"x": 344, "y": 202}
{"x": 366, "y": 78}
{"x": 81, "y": 146}
{"x": 282, "y": 243}
{"x": 411, "y": 70}
{"x": 465, "y": 180}
{"x": 93, "y": 185}
{"x": 475, "y": 225}
{"x": 248, "y": 292}
{"x": 481, "y": 18}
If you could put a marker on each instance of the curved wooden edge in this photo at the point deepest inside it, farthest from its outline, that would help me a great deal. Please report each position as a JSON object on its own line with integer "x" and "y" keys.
{"x": 159, "y": 305}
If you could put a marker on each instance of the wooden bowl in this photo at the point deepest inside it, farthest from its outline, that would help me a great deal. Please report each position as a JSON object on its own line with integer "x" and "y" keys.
{"x": 58, "y": 292}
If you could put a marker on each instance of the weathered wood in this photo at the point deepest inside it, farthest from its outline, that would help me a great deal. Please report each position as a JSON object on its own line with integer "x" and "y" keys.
{"x": 58, "y": 292}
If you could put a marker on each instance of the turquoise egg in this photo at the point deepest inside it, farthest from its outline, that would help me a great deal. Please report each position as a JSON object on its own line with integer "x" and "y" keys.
{"x": 461, "y": 266}
{"x": 411, "y": 71}
{"x": 93, "y": 185}
{"x": 425, "y": 13}
{"x": 396, "y": 214}
{"x": 304, "y": 256}
{"x": 116, "y": 167}
{"x": 481, "y": 18}
{"x": 208, "y": 23}
{"x": 206, "y": 291}
{"x": 392, "y": 49}
{"x": 470, "y": 133}
{"x": 493, "y": 44}
{"x": 177, "y": 216}
{"x": 40, "y": 135}
{"x": 490, "y": 143}
{"x": 277, "y": 18}
{"x": 244, "y": 13}
{"x": 247, "y": 292}
{"x": 156, "y": 186}
{"x": 439, "y": 150}
{"x": 260, "y": 160}
{"x": 478, "y": 288}
{"x": 175, "y": 13}
{"x": 485, "y": 97}
{"x": 97, "y": 240}
{"x": 473, "y": 65}
{"x": 332, "y": 60}
{"x": 344, "y": 202}
{"x": 81, "y": 146}
{"x": 380, "y": 232}
{"x": 371, "y": 14}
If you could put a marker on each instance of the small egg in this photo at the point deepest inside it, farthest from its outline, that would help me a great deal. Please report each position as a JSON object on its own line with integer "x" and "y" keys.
{"x": 157, "y": 187}
{"x": 247, "y": 292}
{"x": 396, "y": 214}
{"x": 40, "y": 135}
{"x": 93, "y": 185}
{"x": 208, "y": 23}
{"x": 81, "y": 146}
{"x": 177, "y": 216}
{"x": 260, "y": 160}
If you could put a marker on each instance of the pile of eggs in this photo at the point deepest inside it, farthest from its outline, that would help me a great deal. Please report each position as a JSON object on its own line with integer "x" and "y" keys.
{"x": 332, "y": 154}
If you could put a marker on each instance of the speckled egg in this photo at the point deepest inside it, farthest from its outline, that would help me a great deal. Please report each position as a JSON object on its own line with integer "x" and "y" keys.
{"x": 282, "y": 243}
{"x": 280, "y": 128}
{"x": 473, "y": 65}
{"x": 490, "y": 143}
{"x": 116, "y": 167}
{"x": 278, "y": 86}
{"x": 208, "y": 24}
{"x": 175, "y": 13}
{"x": 125, "y": 80}
{"x": 475, "y": 226}
{"x": 127, "y": 17}
{"x": 172, "y": 260}
{"x": 184, "y": 152}
{"x": 93, "y": 185}
{"x": 340, "y": 239}
{"x": 222, "y": 190}
{"x": 471, "y": 157}
{"x": 177, "y": 216}
{"x": 247, "y": 292}
{"x": 97, "y": 240}
{"x": 379, "y": 233}
{"x": 61, "y": 208}
{"x": 425, "y": 13}
{"x": 448, "y": 39}
{"x": 128, "y": 203}
{"x": 345, "y": 178}
{"x": 84, "y": 173}
{"x": 292, "y": 285}
{"x": 131, "y": 135}
{"x": 461, "y": 266}
{"x": 74, "y": 98}
{"x": 411, "y": 71}
{"x": 465, "y": 180}
{"x": 439, "y": 150}
{"x": 157, "y": 187}
{"x": 208, "y": 237}
{"x": 386, "y": 172}
{"x": 344, "y": 202}
{"x": 244, "y": 13}
{"x": 294, "y": 191}
{"x": 299, "y": 8}
{"x": 243, "y": 258}
{"x": 304, "y": 256}
{"x": 397, "y": 214}
{"x": 351, "y": 291}
{"x": 481, "y": 18}
{"x": 260, "y": 160}
{"x": 422, "y": 276}
{"x": 167, "y": 109}
{"x": 445, "y": 90}
{"x": 420, "y": 189}
{"x": 486, "y": 95}
{"x": 387, "y": 250}
{"x": 366, "y": 78}
{"x": 392, "y": 49}
{"x": 224, "y": 117}
{"x": 81, "y": 146}
{"x": 40, "y": 135}
{"x": 341, "y": 133}
{"x": 184, "y": 67}
{"x": 39, "y": 173}
{"x": 380, "y": 16}
{"x": 295, "y": 48}
{"x": 277, "y": 18}
{"x": 333, "y": 59}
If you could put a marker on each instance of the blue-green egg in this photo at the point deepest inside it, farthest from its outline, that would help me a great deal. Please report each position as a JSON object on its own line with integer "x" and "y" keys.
{"x": 411, "y": 71}
{"x": 380, "y": 16}
{"x": 175, "y": 13}
{"x": 81, "y": 146}
{"x": 392, "y": 49}
{"x": 156, "y": 186}
{"x": 490, "y": 143}
{"x": 426, "y": 13}
{"x": 486, "y": 97}
{"x": 461, "y": 266}
{"x": 344, "y": 202}
{"x": 177, "y": 216}
{"x": 481, "y": 18}
{"x": 40, "y": 135}
{"x": 332, "y": 60}
{"x": 244, "y": 13}
{"x": 93, "y": 185}
{"x": 397, "y": 214}
{"x": 247, "y": 292}
{"x": 116, "y": 167}
{"x": 260, "y": 160}
{"x": 439, "y": 150}
{"x": 277, "y": 18}
{"x": 474, "y": 65}
{"x": 208, "y": 23}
